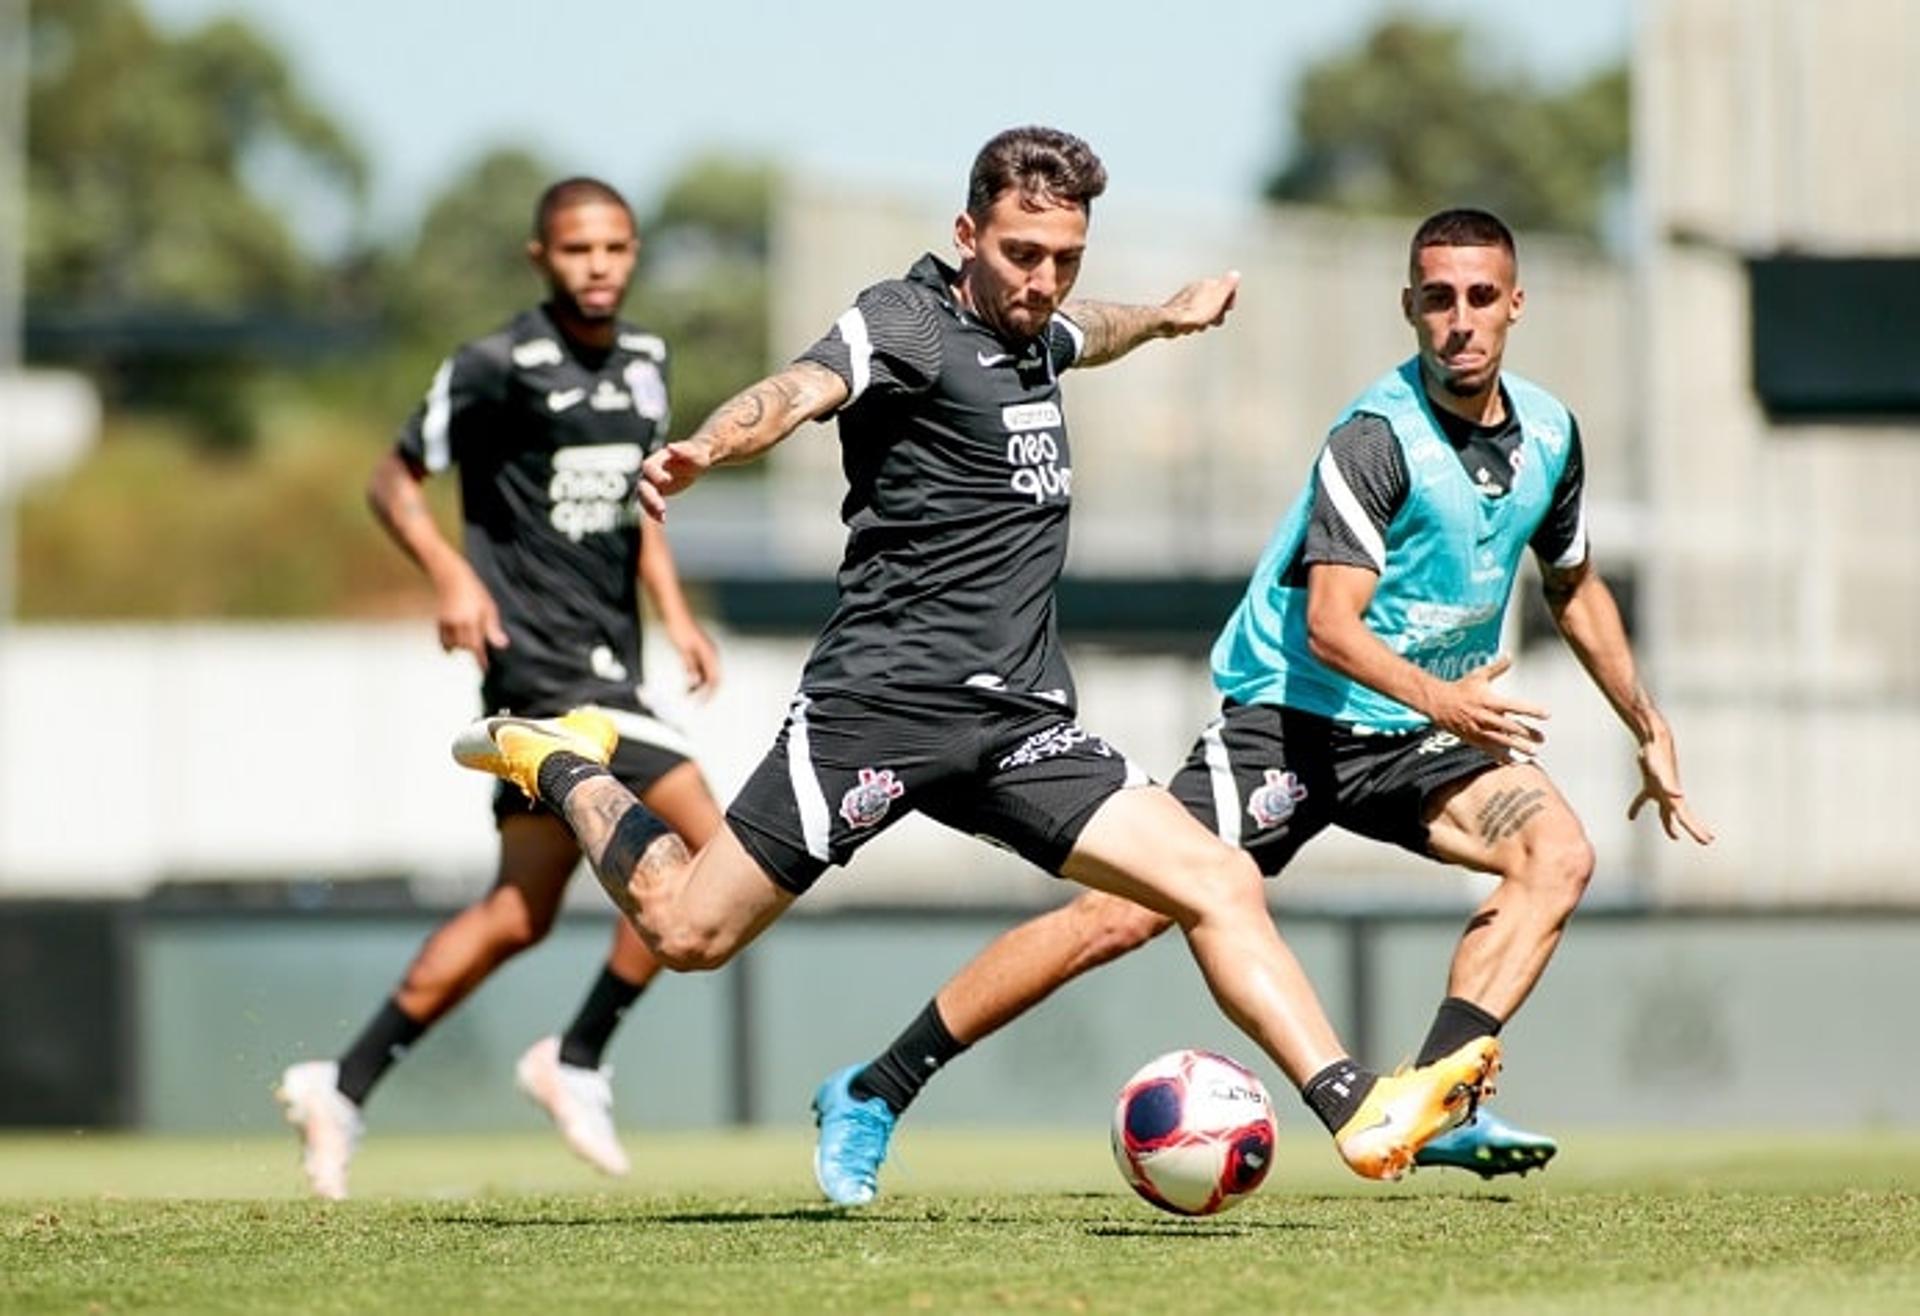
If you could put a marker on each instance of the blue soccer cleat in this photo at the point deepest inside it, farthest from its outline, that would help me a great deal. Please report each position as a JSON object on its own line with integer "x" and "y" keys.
{"x": 1488, "y": 1146}
{"x": 853, "y": 1140}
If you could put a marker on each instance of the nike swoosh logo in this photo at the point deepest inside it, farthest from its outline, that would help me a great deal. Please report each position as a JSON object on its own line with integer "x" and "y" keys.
{"x": 990, "y": 359}
{"x": 1386, "y": 1122}
{"x": 562, "y": 398}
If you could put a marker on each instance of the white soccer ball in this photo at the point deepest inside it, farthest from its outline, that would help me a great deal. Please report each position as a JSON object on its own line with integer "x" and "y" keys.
{"x": 1193, "y": 1132}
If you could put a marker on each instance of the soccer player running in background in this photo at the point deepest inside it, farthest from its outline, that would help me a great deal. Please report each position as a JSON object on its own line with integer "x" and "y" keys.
{"x": 1357, "y": 674}
{"x": 939, "y": 684}
{"x": 548, "y": 420}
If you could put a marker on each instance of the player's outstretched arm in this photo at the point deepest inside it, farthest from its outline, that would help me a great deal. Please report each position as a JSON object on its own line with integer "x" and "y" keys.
{"x": 1112, "y": 330}
{"x": 741, "y": 428}
{"x": 1337, "y": 632}
{"x": 661, "y": 580}
{"x": 467, "y": 617}
{"x": 1584, "y": 610}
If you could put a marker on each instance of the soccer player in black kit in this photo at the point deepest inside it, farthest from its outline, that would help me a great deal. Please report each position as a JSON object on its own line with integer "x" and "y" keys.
{"x": 548, "y": 420}
{"x": 939, "y": 684}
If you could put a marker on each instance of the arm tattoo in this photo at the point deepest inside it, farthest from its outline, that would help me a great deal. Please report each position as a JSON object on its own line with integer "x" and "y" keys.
{"x": 749, "y": 409}
{"x": 1112, "y": 330}
{"x": 766, "y": 412}
{"x": 1507, "y": 811}
{"x": 613, "y": 847}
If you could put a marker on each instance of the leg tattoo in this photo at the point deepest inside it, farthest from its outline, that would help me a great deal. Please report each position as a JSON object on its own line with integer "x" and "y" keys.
{"x": 615, "y": 831}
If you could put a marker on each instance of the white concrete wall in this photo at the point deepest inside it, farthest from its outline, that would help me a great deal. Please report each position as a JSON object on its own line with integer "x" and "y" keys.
{"x": 130, "y": 755}
{"x": 1782, "y": 562}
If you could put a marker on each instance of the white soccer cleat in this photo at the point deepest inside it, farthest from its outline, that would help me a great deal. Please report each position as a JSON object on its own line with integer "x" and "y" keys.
{"x": 580, "y": 1101}
{"x": 329, "y": 1124}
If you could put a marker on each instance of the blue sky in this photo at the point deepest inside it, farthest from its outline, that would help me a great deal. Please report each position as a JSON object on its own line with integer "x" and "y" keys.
{"x": 1185, "y": 102}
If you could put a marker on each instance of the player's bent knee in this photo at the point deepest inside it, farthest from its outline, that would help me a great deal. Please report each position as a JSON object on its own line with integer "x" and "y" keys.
{"x": 1119, "y": 927}
{"x": 1562, "y": 869}
{"x": 1227, "y": 884}
{"x": 512, "y": 929}
{"x": 694, "y": 949}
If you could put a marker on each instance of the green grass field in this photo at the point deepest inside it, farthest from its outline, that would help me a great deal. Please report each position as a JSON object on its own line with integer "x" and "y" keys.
{"x": 971, "y": 1222}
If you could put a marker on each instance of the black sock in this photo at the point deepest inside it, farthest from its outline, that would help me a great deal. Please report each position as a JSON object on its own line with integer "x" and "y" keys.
{"x": 586, "y": 1037}
{"x": 384, "y": 1040}
{"x": 561, "y": 772}
{"x": 1336, "y": 1092}
{"x": 1457, "y": 1023}
{"x": 898, "y": 1073}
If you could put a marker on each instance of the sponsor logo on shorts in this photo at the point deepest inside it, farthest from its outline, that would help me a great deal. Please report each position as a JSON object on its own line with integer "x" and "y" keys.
{"x": 1273, "y": 802}
{"x": 1052, "y": 743}
{"x": 1438, "y": 743}
{"x": 604, "y": 665}
{"x": 867, "y": 802}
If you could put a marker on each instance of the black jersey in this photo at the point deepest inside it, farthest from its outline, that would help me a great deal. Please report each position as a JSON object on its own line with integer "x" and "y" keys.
{"x": 1374, "y": 467}
{"x": 959, "y": 479}
{"x": 549, "y": 437}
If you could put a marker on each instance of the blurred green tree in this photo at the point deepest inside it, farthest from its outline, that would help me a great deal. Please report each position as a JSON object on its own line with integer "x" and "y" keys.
{"x": 144, "y": 155}
{"x": 703, "y": 281}
{"x": 1423, "y": 115}
{"x": 466, "y": 269}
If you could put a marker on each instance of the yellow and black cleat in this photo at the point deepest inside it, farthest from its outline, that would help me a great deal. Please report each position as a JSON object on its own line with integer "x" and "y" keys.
{"x": 1407, "y": 1110}
{"x": 513, "y": 748}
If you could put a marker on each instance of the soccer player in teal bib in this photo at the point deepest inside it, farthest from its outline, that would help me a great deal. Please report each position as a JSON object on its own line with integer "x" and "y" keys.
{"x": 1357, "y": 676}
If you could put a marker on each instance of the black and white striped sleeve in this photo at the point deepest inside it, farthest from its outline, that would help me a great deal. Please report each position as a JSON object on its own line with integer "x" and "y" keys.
{"x": 1561, "y": 541}
{"x": 452, "y": 416}
{"x": 887, "y": 342}
{"x": 1359, "y": 483}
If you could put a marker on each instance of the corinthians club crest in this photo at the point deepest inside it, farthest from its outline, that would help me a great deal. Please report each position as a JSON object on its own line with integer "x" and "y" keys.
{"x": 867, "y": 802}
{"x": 1272, "y": 804}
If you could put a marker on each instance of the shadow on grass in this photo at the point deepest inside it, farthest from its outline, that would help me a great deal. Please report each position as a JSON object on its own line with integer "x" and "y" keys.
{"x": 800, "y": 1214}
{"x": 1195, "y": 1230}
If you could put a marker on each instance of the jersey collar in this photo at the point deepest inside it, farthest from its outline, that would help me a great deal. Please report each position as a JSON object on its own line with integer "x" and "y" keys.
{"x": 938, "y": 277}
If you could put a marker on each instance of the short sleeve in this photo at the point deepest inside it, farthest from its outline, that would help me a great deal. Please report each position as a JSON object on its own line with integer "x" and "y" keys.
{"x": 1561, "y": 540}
{"x": 454, "y": 413}
{"x": 1359, "y": 485}
{"x": 887, "y": 342}
{"x": 649, "y": 379}
{"x": 1065, "y": 342}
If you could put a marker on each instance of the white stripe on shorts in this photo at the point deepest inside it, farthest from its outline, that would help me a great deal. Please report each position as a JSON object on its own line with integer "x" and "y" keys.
{"x": 1226, "y": 797}
{"x": 816, "y": 824}
{"x": 646, "y": 729}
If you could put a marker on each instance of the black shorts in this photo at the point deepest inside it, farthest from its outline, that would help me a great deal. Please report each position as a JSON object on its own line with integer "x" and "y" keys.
{"x": 1268, "y": 779}
{"x": 844, "y": 768}
{"x": 648, "y": 749}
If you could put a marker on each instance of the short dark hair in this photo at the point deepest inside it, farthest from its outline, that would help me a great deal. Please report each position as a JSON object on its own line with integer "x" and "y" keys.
{"x": 1046, "y": 166}
{"x": 569, "y": 192}
{"x": 1462, "y": 227}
